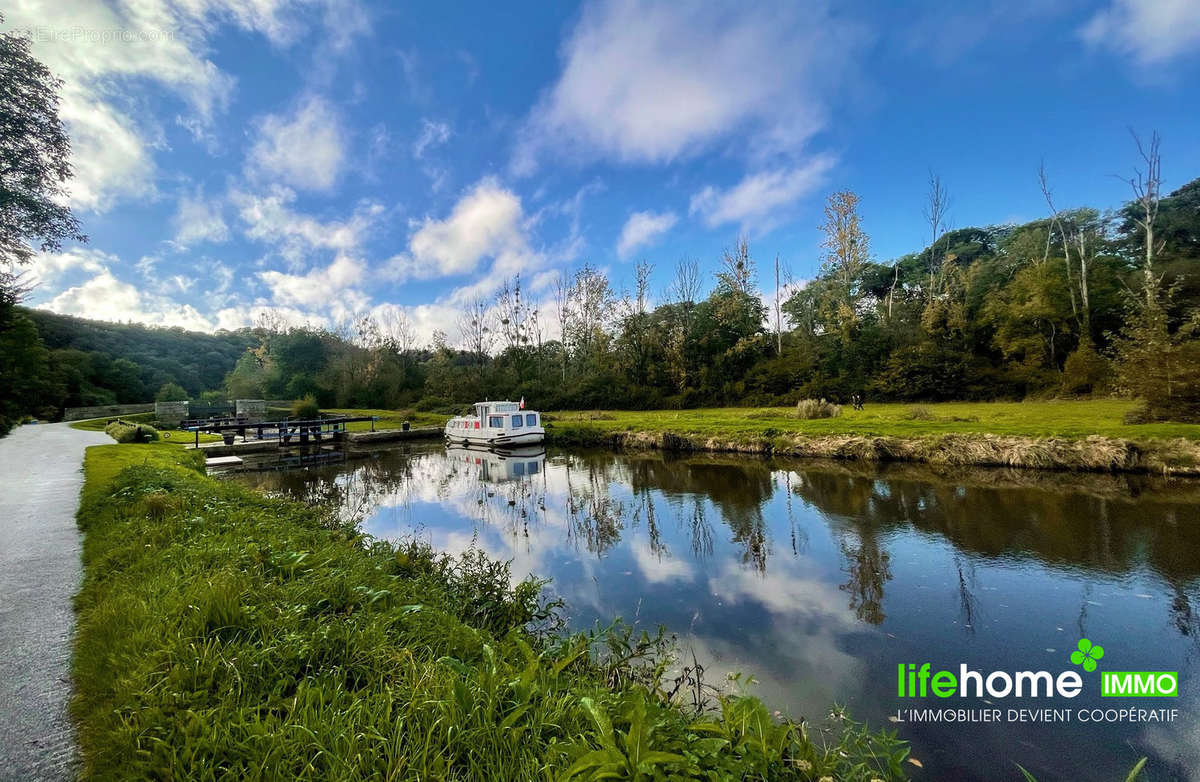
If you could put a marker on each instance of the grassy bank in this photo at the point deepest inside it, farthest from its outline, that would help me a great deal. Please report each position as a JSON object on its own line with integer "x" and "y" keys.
{"x": 1087, "y": 435}
{"x": 224, "y": 634}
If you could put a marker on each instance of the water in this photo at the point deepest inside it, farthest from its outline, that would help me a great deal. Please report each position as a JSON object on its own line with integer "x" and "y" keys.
{"x": 819, "y": 579}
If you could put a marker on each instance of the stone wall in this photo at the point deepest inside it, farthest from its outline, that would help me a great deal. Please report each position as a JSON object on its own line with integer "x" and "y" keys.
{"x": 106, "y": 411}
{"x": 171, "y": 413}
{"x": 251, "y": 409}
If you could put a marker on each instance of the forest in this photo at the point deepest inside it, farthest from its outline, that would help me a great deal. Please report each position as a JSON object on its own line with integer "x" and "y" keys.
{"x": 1082, "y": 302}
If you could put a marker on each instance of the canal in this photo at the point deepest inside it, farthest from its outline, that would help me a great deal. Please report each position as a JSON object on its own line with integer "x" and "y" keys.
{"x": 820, "y": 579}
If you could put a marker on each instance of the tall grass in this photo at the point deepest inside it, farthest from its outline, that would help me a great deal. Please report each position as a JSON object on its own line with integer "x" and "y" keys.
{"x": 223, "y": 634}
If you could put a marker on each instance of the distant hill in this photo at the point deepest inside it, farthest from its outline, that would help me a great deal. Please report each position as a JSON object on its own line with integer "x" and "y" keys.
{"x": 92, "y": 358}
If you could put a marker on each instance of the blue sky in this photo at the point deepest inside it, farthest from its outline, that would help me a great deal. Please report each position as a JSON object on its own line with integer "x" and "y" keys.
{"x": 322, "y": 159}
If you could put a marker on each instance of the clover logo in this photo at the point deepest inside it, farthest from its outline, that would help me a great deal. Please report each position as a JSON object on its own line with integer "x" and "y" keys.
{"x": 1087, "y": 654}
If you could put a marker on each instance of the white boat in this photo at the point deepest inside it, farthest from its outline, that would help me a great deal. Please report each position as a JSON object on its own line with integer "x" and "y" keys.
{"x": 497, "y": 425}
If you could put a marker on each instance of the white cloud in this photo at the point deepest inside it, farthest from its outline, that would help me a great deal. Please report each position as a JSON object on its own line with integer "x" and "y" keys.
{"x": 104, "y": 297}
{"x": 268, "y": 217}
{"x": 303, "y": 149}
{"x": 652, "y": 82}
{"x": 198, "y": 219}
{"x": 755, "y": 200}
{"x": 99, "y": 49}
{"x": 1149, "y": 31}
{"x": 319, "y": 287}
{"x": 487, "y": 222}
{"x": 643, "y": 228}
{"x": 432, "y": 134}
{"x": 49, "y": 268}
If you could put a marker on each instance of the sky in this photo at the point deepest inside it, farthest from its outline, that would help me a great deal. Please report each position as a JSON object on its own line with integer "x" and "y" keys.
{"x": 325, "y": 159}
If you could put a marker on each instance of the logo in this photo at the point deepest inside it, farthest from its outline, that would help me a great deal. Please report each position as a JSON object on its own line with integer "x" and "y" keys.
{"x": 922, "y": 681}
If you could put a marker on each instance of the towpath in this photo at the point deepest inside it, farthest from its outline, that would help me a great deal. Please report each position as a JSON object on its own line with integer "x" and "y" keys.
{"x": 40, "y": 478}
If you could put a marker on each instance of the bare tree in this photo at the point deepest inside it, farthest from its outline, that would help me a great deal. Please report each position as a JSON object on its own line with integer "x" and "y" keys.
{"x": 737, "y": 268}
{"x": 937, "y": 203}
{"x": 397, "y": 332}
{"x": 783, "y": 278}
{"x": 562, "y": 306}
{"x": 685, "y": 287}
{"x": 475, "y": 330}
{"x": 1147, "y": 191}
{"x": 1057, "y": 223}
{"x": 847, "y": 252}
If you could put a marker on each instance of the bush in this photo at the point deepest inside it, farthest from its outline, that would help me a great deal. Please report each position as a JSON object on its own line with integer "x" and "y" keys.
{"x": 1085, "y": 371}
{"x": 809, "y": 409}
{"x": 919, "y": 414}
{"x": 131, "y": 432}
{"x": 306, "y": 408}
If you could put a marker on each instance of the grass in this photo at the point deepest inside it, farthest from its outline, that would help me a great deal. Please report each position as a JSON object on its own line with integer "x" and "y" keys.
{"x": 172, "y": 435}
{"x": 390, "y": 419}
{"x": 1066, "y": 419}
{"x": 224, "y": 634}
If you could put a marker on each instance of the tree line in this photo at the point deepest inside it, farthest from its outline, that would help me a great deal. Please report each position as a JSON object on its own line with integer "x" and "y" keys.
{"x": 1080, "y": 302}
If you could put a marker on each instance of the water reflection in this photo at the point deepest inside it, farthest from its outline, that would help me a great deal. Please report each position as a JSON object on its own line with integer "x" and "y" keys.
{"x": 819, "y": 578}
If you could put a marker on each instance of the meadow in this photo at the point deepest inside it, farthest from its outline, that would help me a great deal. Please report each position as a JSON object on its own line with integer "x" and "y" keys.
{"x": 1065, "y": 418}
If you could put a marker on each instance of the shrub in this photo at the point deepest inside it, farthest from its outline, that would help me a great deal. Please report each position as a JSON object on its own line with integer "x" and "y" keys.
{"x": 306, "y": 408}
{"x": 171, "y": 392}
{"x": 130, "y": 432}
{"x": 919, "y": 414}
{"x": 809, "y": 409}
{"x": 1085, "y": 371}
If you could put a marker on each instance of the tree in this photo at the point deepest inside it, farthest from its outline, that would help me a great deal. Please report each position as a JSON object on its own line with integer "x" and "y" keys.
{"x": 171, "y": 392}
{"x": 847, "y": 253}
{"x": 937, "y": 202}
{"x": 35, "y": 156}
{"x": 1147, "y": 185}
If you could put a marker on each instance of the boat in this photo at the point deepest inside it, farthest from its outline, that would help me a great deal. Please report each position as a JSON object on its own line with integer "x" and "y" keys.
{"x": 502, "y": 424}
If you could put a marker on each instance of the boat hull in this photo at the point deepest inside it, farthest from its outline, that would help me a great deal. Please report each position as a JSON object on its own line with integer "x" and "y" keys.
{"x": 497, "y": 440}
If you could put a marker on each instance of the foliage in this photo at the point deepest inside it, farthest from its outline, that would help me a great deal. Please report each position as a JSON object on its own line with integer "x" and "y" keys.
{"x": 223, "y": 633}
{"x": 1159, "y": 367}
{"x": 306, "y": 409}
{"x": 131, "y": 432}
{"x": 809, "y": 409}
{"x": 171, "y": 392}
{"x": 35, "y": 154}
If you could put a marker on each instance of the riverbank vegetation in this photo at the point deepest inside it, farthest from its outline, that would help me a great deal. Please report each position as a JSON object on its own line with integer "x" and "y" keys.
{"x": 223, "y": 633}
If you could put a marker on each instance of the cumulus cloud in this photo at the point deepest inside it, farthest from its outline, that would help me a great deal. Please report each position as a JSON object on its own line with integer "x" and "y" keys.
{"x": 304, "y": 149}
{"x": 643, "y": 228}
{"x": 318, "y": 287}
{"x": 49, "y": 268}
{"x": 198, "y": 219}
{"x": 647, "y": 82}
{"x": 487, "y": 222}
{"x": 269, "y": 217}
{"x": 1150, "y": 32}
{"x": 104, "y": 297}
{"x": 160, "y": 42}
{"x": 756, "y": 198}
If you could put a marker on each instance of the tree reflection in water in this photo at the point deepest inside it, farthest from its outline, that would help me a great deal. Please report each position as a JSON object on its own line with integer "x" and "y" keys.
{"x": 1091, "y": 523}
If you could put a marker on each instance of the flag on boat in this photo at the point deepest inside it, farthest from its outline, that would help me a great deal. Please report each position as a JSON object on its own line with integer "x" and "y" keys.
{"x": 522, "y": 403}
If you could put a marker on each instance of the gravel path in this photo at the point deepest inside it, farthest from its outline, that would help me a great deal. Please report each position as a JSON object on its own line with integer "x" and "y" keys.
{"x": 40, "y": 477}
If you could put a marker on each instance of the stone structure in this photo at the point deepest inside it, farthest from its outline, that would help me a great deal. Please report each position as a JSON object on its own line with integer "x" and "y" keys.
{"x": 171, "y": 413}
{"x": 251, "y": 409}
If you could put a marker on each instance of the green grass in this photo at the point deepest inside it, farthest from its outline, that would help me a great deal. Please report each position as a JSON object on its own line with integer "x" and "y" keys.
{"x": 171, "y": 435}
{"x": 223, "y": 634}
{"x": 390, "y": 419}
{"x": 1067, "y": 419}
